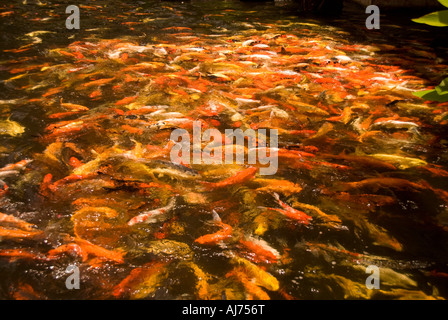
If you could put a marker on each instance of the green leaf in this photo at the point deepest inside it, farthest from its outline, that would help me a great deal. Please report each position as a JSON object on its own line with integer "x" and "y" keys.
{"x": 440, "y": 91}
{"x": 431, "y": 95}
{"x": 435, "y": 19}
{"x": 444, "y": 84}
{"x": 444, "y": 2}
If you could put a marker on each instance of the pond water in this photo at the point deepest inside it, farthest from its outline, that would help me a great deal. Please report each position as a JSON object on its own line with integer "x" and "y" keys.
{"x": 87, "y": 182}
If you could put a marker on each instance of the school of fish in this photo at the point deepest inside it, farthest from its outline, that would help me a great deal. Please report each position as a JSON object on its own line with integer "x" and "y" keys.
{"x": 87, "y": 180}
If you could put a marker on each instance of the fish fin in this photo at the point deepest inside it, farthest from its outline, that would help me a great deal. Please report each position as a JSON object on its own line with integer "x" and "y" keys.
{"x": 222, "y": 245}
{"x": 229, "y": 254}
{"x": 172, "y": 202}
{"x": 216, "y": 218}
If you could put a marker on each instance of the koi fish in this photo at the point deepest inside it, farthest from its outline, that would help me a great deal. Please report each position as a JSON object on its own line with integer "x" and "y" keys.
{"x": 16, "y": 222}
{"x": 202, "y": 286}
{"x": 333, "y": 249}
{"x": 60, "y": 115}
{"x": 174, "y": 170}
{"x": 4, "y": 187}
{"x": 385, "y": 182}
{"x": 108, "y": 212}
{"x": 6, "y": 13}
{"x": 401, "y": 162}
{"x": 290, "y": 212}
{"x": 69, "y": 179}
{"x": 98, "y": 251}
{"x": 261, "y": 248}
{"x": 71, "y": 248}
{"x": 395, "y": 124}
{"x": 14, "y": 168}
{"x": 26, "y": 292}
{"x": 15, "y": 234}
{"x": 11, "y": 128}
{"x": 99, "y": 82}
{"x": 277, "y": 185}
{"x": 75, "y": 162}
{"x": 141, "y": 281}
{"x": 126, "y": 100}
{"x": 73, "y": 107}
{"x": 369, "y": 200}
{"x": 95, "y": 94}
{"x": 132, "y": 130}
{"x": 239, "y": 178}
{"x": 153, "y": 215}
{"x": 261, "y": 277}
{"x": 223, "y": 234}
{"x": 435, "y": 171}
{"x": 15, "y": 254}
{"x": 254, "y": 290}
{"x": 331, "y": 220}
{"x": 363, "y": 160}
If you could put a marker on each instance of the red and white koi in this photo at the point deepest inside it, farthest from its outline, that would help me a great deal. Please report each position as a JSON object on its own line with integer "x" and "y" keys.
{"x": 153, "y": 215}
{"x": 290, "y": 212}
{"x": 217, "y": 237}
{"x": 261, "y": 248}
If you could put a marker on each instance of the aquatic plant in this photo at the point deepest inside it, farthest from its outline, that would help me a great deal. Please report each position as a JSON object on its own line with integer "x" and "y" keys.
{"x": 435, "y": 19}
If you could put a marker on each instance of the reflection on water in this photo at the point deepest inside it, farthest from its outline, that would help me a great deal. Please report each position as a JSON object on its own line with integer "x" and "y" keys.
{"x": 86, "y": 177}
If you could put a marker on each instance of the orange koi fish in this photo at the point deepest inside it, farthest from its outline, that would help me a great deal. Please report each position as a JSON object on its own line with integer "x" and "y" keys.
{"x": 96, "y": 94}
{"x": 239, "y": 178}
{"x": 214, "y": 238}
{"x": 261, "y": 249}
{"x": 53, "y": 91}
{"x": 15, "y": 254}
{"x": 43, "y": 190}
{"x": 438, "y": 172}
{"x": 126, "y": 100}
{"x": 366, "y": 199}
{"x": 142, "y": 110}
{"x": 15, "y": 166}
{"x": 71, "y": 178}
{"x": 73, "y": 107}
{"x": 75, "y": 162}
{"x": 64, "y": 114}
{"x": 98, "y": 82}
{"x": 137, "y": 277}
{"x": 377, "y": 183}
{"x": 18, "y": 234}
{"x": 333, "y": 249}
{"x": 26, "y": 292}
{"x": 4, "y": 190}
{"x": 177, "y": 28}
{"x": 71, "y": 248}
{"x": 16, "y": 222}
{"x": 98, "y": 251}
{"x": 6, "y": 13}
{"x": 253, "y": 290}
{"x": 290, "y": 212}
{"x": 131, "y": 129}
{"x": 367, "y": 161}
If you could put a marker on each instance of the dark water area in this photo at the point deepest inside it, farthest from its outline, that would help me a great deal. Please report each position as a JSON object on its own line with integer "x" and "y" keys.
{"x": 86, "y": 118}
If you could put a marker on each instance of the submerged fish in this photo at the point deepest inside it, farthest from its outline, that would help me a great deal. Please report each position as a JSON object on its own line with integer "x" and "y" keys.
{"x": 401, "y": 162}
{"x": 214, "y": 238}
{"x": 153, "y": 215}
{"x": 11, "y": 128}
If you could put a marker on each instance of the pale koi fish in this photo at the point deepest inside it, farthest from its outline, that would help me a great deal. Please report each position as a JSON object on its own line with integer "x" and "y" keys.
{"x": 153, "y": 215}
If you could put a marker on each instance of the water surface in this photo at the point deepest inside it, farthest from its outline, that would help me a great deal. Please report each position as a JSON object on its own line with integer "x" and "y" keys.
{"x": 91, "y": 111}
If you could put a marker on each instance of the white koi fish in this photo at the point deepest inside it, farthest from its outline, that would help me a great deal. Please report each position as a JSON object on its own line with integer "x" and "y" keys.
{"x": 153, "y": 215}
